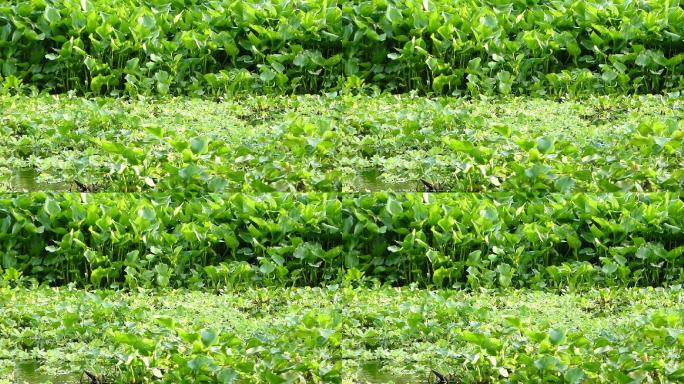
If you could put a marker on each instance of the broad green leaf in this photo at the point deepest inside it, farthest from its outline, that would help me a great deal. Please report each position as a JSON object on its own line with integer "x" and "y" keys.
{"x": 574, "y": 375}
{"x": 547, "y": 363}
{"x": 504, "y": 129}
{"x": 165, "y": 321}
{"x": 52, "y": 15}
{"x": 227, "y": 376}
{"x": 556, "y": 336}
{"x": 460, "y": 146}
{"x": 209, "y": 337}
{"x": 393, "y": 14}
{"x": 155, "y": 130}
{"x": 199, "y": 145}
{"x": 52, "y": 207}
{"x": 545, "y": 145}
{"x": 394, "y": 207}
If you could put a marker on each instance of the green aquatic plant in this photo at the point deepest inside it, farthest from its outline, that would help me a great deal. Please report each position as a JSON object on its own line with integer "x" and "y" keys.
{"x": 346, "y": 335}
{"x": 442, "y": 240}
{"x": 342, "y": 143}
{"x": 142, "y": 47}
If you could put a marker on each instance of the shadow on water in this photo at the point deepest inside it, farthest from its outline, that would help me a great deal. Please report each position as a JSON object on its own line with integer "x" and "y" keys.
{"x": 28, "y": 372}
{"x": 370, "y": 181}
{"x": 372, "y": 373}
{"x": 26, "y": 180}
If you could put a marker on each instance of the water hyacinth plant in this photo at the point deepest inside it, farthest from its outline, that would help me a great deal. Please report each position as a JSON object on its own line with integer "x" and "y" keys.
{"x": 349, "y": 335}
{"x": 325, "y": 191}
{"x": 448, "y": 240}
{"x": 343, "y": 143}
{"x": 471, "y": 47}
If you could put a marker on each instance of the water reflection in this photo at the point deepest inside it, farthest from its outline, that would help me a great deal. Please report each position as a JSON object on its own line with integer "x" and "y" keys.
{"x": 28, "y": 372}
{"x": 373, "y": 373}
{"x": 26, "y": 180}
{"x": 370, "y": 181}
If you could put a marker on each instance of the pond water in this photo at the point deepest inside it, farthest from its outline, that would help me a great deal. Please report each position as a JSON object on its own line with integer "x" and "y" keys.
{"x": 26, "y": 180}
{"x": 369, "y": 180}
{"x": 373, "y": 373}
{"x": 28, "y": 372}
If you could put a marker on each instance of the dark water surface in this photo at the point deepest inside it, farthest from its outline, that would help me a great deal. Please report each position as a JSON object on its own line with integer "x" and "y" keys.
{"x": 28, "y": 372}
{"x": 373, "y": 373}
{"x": 369, "y": 180}
{"x": 26, "y": 180}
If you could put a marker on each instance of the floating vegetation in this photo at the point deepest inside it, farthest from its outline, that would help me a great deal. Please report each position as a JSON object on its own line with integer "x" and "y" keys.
{"x": 437, "y": 240}
{"x": 346, "y": 143}
{"x": 341, "y": 334}
{"x": 472, "y": 47}
{"x": 325, "y": 191}
{"x": 28, "y": 372}
{"x": 27, "y": 180}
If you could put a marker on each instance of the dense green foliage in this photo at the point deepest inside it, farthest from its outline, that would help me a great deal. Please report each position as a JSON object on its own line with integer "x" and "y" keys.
{"x": 347, "y": 335}
{"x": 463, "y": 47}
{"x": 345, "y": 143}
{"x": 443, "y": 240}
{"x": 247, "y": 247}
